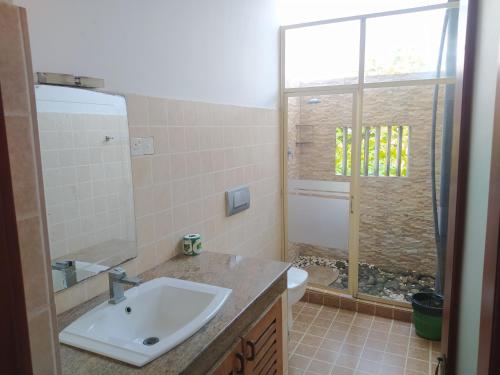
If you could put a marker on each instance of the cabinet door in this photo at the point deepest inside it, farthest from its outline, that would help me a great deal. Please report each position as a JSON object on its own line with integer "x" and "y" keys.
{"x": 233, "y": 364}
{"x": 263, "y": 346}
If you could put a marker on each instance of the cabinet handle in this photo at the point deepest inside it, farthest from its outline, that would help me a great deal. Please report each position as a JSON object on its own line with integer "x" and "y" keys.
{"x": 251, "y": 357}
{"x": 241, "y": 360}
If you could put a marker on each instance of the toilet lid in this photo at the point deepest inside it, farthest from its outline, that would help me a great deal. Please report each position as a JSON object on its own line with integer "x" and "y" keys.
{"x": 296, "y": 277}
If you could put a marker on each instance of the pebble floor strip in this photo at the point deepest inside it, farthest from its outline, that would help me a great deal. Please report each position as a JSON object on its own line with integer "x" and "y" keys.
{"x": 329, "y": 341}
{"x": 373, "y": 280}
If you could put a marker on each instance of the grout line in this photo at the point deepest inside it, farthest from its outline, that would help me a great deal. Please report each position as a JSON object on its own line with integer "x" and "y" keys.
{"x": 407, "y": 350}
{"x": 305, "y": 332}
{"x": 294, "y": 349}
{"x": 366, "y": 339}
{"x": 324, "y": 337}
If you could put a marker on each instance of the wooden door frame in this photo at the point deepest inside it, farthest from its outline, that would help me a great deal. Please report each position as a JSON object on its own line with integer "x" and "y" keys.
{"x": 15, "y": 354}
{"x": 466, "y": 48}
{"x": 489, "y": 331}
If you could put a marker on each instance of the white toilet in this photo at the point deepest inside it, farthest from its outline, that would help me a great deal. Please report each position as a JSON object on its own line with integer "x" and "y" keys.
{"x": 297, "y": 283}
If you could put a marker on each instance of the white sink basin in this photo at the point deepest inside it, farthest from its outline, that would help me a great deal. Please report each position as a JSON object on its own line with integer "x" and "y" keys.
{"x": 165, "y": 310}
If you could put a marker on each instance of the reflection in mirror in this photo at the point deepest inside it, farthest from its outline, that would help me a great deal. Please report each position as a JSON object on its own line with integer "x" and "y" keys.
{"x": 84, "y": 143}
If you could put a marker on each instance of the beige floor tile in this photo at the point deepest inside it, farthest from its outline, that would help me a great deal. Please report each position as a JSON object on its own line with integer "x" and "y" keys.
{"x": 352, "y": 350}
{"x": 299, "y": 362}
{"x": 317, "y": 331}
{"x": 326, "y": 355}
{"x": 325, "y": 323}
{"x": 329, "y": 341}
{"x": 396, "y": 349}
{"x": 368, "y": 367}
{"x": 347, "y": 361}
{"x": 417, "y": 365}
{"x": 355, "y": 339}
{"x": 372, "y": 355}
{"x": 339, "y": 370}
{"x": 306, "y": 350}
{"x": 394, "y": 360}
{"x": 398, "y": 339}
{"x": 295, "y": 371}
{"x": 375, "y": 344}
{"x": 320, "y": 367}
{"x": 311, "y": 340}
{"x": 333, "y": 345}
{"x": 390, "y": 370}
{"x": 417, "y": 353}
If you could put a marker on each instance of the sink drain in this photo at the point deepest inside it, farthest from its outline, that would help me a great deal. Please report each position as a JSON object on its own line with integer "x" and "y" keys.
{"x": 150, "y": 341}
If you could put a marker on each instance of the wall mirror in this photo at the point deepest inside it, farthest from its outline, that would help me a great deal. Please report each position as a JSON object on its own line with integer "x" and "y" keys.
{"x": 85, "y": 150}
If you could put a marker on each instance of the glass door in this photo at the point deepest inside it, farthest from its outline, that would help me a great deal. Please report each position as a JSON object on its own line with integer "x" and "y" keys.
{"x": 405, "y": 143}
{"x": 319, "y": 134}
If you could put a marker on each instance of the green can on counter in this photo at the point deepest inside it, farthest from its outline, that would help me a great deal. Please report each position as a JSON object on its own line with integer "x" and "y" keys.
{"x": 192, "y": 244}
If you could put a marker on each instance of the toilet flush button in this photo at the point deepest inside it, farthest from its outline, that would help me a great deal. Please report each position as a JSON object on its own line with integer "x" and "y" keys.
{"x": 237, "y": 200}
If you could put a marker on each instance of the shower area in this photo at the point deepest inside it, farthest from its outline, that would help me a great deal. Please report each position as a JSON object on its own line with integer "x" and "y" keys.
{"x": 368, "y": 106}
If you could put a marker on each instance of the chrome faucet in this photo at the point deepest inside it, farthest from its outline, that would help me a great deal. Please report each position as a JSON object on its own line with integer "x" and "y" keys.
{"x": 68, "y": 269}
{"x": 117, "y": 279}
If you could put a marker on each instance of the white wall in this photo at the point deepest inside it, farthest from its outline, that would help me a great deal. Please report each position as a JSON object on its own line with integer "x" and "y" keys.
{"x": 478, "y": 181}
{"x": 219, "y": 51}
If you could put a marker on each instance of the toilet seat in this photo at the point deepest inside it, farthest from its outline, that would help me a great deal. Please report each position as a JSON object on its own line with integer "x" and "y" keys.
{"x": 296, "y": 277}
{"x": 297, "y": 284}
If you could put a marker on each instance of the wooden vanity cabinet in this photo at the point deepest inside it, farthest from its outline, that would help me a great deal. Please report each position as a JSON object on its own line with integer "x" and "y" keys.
{"x": 263, "y": 345}
{"x": 260, "y": 351}
{"x": 234, "y": 363}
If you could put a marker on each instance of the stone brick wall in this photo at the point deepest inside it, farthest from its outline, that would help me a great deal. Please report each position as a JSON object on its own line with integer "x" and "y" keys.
{"x": 396, "y": 220}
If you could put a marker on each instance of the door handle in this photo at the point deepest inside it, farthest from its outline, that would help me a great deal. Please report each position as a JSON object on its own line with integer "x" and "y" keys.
{"x": 251, "y": 345}
{"x": 351, "y": 204}
{"x": 241, "y": 360}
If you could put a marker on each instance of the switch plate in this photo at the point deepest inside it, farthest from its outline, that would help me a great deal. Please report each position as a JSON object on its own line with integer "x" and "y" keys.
{"x": 148, "y": 145}
{"x": 237, "y": 200}
{"x": 142, "y": 146}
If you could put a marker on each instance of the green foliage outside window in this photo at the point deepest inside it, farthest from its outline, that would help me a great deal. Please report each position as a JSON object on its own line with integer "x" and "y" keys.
{"x": 371, "y": 154}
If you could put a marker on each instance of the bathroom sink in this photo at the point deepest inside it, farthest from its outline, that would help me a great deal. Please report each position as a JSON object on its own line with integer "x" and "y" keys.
{"x": 155, "y": 317}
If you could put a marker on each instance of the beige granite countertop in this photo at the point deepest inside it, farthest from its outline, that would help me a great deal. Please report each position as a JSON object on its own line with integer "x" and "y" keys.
{"x": 256, "y": 283}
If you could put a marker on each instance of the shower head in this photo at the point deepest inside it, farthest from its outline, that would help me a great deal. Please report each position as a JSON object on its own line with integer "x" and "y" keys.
{"x": 314, "y": 101}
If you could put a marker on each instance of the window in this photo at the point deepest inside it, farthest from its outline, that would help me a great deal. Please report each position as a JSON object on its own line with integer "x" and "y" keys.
{"x": 384, "y": 151}
{"x": 343, "y": 141}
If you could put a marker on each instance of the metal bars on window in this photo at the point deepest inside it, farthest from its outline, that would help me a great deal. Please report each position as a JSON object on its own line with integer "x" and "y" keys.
{"x": 384, "y": 151}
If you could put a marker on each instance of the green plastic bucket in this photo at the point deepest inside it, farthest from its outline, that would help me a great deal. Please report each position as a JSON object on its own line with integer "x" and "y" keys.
{"x": 427, "y": 315}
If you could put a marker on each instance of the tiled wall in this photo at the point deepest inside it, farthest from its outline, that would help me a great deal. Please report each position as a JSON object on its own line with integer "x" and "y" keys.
{"x": 87, "y": 181}
{"x": 201, "y": 150}
{"x": 22, "y": 136}
{"x": 396, "y": 221}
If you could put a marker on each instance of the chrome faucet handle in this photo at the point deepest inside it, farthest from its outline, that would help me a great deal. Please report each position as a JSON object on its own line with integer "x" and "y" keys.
{"x": 117, "y": 273}
{"x": 64, "y": 265}
{"x": 117, "y": 278}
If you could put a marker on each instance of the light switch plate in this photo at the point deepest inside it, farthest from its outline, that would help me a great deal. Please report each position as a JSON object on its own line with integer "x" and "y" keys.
{"x": 142, "y": 146}
{"x": 148, "y": 145}
{"x": 237, "y": 200}
{"x": 136, "y": 146}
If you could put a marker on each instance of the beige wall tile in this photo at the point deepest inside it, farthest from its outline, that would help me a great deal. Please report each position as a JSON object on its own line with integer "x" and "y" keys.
{"x": 142, "y": 174}
{"x": 40, "y": 341}
{"x": 12, "y": 63}
{"x": 181, "y": 189}
{"x": 20, "y": 136}
{"x": 157, "y": 112}
{"x": 17, "y": 94}
{"x": 137, "y": 110}
{"x": 161, "y": 168}
{"x": 32, "y": 258}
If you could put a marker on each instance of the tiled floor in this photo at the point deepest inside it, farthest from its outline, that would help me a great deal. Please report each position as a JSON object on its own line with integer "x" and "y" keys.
{"x": 328, "y": 341}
